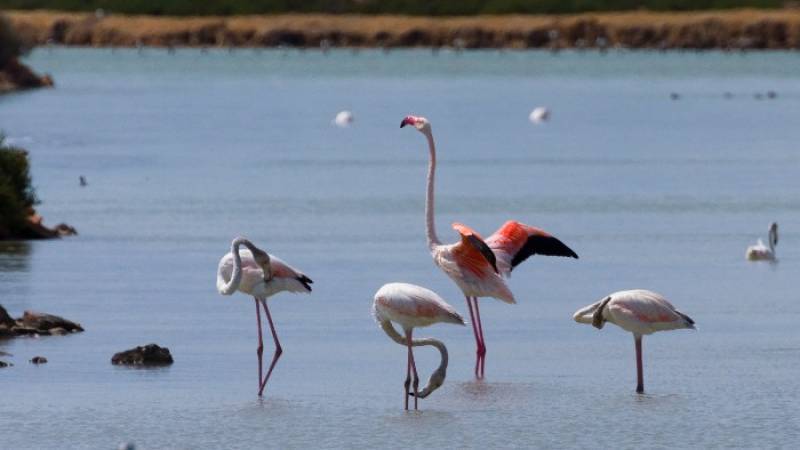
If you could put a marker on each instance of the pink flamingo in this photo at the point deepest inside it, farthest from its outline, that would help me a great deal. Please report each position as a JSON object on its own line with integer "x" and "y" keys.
{"x": 478, "y": 266}
{"x": 413, "y": 306}
{"x": 257, "y": 273}
{"x": 638, "y": 311}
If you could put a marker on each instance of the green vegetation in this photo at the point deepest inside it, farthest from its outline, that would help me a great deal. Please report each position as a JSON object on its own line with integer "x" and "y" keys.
{"x": 16, "y": 193}
{"x": 411, "y": 7}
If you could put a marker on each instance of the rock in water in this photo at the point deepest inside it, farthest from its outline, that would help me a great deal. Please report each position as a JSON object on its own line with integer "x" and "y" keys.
{"x": 46, "y": 322}
{"x": 4, "y": 364}
{"x": 38, "y": 360}
{"x": 5, "y": 319}
{"x": 149, "y": 355}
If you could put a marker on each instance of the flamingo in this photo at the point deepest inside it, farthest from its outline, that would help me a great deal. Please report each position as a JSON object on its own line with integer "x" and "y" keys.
{"x": 257, "y": 273}
{"x": 477, "y": 266}
{"x": 639, "y": 311}
{"x": 762, "y": 252}
{"x": 414, "y": 306}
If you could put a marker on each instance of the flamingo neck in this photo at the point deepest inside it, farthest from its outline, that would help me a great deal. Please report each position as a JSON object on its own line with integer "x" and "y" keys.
{"x": 438, "y": 375}
{"x": 773, "y": 238}
{"x": 236, "y": 277}
{"x": 433, "y": 239}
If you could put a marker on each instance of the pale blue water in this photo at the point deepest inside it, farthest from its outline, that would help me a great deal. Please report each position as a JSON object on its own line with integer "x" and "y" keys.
{"x": 183, "y": 152}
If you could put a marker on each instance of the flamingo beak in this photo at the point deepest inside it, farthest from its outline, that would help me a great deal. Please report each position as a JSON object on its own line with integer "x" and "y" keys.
{"x": 407, "y": 121}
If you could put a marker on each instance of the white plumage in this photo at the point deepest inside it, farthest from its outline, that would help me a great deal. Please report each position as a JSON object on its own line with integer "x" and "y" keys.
{"x": 761, "y": 252}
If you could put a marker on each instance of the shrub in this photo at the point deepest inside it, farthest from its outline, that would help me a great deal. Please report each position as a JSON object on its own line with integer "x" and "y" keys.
{"x": 17, "y": 195}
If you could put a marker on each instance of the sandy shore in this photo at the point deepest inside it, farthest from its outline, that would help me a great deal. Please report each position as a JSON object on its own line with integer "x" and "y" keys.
{"x": 756, "y": 29}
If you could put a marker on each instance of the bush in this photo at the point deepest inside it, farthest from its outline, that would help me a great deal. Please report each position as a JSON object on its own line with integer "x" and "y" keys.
{"x": 17, "y": 195}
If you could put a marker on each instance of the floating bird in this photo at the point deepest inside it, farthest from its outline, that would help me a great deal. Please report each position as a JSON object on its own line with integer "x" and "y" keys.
{"x": 638, "y": 311}
{"x": 478, "y": 266}
{"x": 674, "y": 96}
{"x": 539, "y": 115}
{"x": 413, "y": 306}
{"x": 761, "y": 252}
{"x": 82, "y": 181}
{"x": 343, "y": 119}
{"x": 257, "y": 273}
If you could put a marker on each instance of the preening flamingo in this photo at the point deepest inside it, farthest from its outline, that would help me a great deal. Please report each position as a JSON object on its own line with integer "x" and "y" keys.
{"x": 762, "y": 252}
{"x": 639, "y": 311}
{"x": 257, "y": 273}
{"x": 478, "y": 266}
{"x": 414, "y": 306}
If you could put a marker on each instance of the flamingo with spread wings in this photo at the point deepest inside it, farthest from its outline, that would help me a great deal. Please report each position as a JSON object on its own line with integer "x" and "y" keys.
{"x": 476, "y": 265}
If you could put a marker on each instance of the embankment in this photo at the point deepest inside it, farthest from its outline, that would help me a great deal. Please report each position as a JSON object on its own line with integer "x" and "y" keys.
{"x": 736, "y": 29}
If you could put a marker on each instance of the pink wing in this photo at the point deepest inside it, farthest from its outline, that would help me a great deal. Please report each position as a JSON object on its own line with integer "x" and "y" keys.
{"x": 472, "y": 251}
{"x": 514, "y": 242}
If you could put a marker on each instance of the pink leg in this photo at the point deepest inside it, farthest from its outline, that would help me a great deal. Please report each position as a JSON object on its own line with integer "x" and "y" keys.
{"x": 413, "y": 369}
{"x": 639, "y": 372}
{"x": 260, "y": 349}
{"x": 278, "y": 349}
{"x": 477, "y": 337}
{"x": 407, "y": 384}
{"x": 482, "y": 346}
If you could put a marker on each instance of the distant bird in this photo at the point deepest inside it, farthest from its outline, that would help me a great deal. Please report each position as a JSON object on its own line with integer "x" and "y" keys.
{"x": 343, "y": 119}
{"x": 638, "y": 311}
{"x": 257, "y": 273}
{"x": 674, "y": 96}
{"x": 771, "y": 94}
{"x": 761, "y": 252}
{"x": 539, "y": 115}
{"x": 413, "y": 306}
{"x": 478, "y": 266}
{"x": 82, "y": 181}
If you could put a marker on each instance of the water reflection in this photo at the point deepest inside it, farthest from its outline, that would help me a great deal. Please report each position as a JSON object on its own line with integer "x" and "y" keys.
{"x": 15, "y": 256}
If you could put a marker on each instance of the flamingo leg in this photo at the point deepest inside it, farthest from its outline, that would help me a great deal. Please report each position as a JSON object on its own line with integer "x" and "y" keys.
{"x": 482, "y": 345}
{"x": 639, "y": 371}
{"x": 477, "y": 337}
{"x": 278, "y": 349}
{"x": 260, "y": 348}
{"x": 407, "y": 383}
{"x": 413, "y": 365}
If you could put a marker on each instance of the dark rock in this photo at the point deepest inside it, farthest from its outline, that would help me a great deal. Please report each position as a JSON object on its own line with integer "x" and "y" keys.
{"x": 149, "y": 355}
{"x": 5, "y": 319}
{"x": 38, "y": 360}
{"x": 4, "y": 364}
{"x": 45, "y": 322}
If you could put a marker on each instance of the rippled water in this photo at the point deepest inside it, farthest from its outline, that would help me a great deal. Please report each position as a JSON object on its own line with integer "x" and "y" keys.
{"x": 183, "y": 152}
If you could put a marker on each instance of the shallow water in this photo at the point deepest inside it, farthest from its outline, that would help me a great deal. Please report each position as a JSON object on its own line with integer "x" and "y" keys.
{"x": 183, "y": 152}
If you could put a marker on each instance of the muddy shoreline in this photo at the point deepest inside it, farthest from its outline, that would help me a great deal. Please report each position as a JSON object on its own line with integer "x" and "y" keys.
{"x": 736, "y": 29}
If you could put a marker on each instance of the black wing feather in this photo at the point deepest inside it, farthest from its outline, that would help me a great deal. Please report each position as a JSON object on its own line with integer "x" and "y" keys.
{"x": 305, "y": 281}
{"x": 542, "y": 245}
{"x": 484, "y": 249}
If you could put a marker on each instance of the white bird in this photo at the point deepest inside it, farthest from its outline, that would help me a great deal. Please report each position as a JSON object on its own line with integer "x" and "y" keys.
{"x": 343, "y": 119}
{"x": 257, "y": 273}
{"x": 639, "y": 311}
{"x": 539, "y": 115}
{"x": 414, "y": 306}
{"x": 761, "y": 252}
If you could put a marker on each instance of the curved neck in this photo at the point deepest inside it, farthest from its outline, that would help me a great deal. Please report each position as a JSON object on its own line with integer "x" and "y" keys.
{"x": 439, "y": 374}
{"x": 236, "y": 276}
{"x": 433, "y": 239}
{"x": 773, "y": 238}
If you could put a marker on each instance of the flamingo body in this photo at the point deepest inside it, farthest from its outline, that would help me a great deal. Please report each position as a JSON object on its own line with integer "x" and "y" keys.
{"x": 539, "y": 115}
{"x": 761, "y": 252}
{"x": 413, "y": 306}
{"x": 638, "y": 311}
{"x": 283, "y": 277}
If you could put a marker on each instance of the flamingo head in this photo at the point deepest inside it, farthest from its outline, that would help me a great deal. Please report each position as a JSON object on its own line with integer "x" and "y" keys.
{"x": 262, "y": 259}
{"x": 773, "y": 233}
{"x": 420, "y": 123}
{"x": 434, "y": 382}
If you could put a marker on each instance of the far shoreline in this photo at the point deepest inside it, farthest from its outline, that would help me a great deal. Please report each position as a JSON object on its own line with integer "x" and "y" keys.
{"x": 727, "y": 30}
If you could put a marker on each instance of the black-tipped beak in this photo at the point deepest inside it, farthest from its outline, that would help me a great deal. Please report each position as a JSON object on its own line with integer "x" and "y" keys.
{"x": 403, "y": 123}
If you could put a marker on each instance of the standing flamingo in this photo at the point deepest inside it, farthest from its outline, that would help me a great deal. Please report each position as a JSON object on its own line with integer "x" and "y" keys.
{"x": 414, "y": 306}
{"x": 257, "y": 273}
{"x": 476, "y": 265}
{"x": 638, "y": 311}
